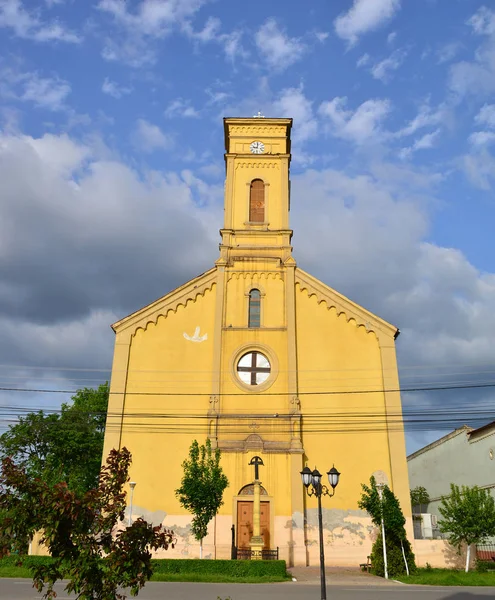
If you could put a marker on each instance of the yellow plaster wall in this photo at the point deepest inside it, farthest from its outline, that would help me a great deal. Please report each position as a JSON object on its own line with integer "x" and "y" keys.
{"x": 160, "y": 421}
{"x": 348, "y": 429}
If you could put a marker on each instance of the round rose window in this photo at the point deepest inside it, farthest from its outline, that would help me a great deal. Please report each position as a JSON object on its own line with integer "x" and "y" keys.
{"x": 253, "y": 368}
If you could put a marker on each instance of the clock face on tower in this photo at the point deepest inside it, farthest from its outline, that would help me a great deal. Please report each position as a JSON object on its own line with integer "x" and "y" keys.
{"x": 257, "y": 148}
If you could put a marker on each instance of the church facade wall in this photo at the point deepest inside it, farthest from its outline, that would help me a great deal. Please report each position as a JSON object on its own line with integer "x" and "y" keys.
{"x": 185, "y": 368}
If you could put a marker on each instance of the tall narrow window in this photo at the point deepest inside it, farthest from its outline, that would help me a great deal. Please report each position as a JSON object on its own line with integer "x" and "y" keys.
{"x": 257, "y": 201}
{"x": 254, "y": 308}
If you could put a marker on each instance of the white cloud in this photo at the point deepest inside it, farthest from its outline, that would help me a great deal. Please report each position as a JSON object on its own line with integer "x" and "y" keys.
{"x": 28, "y": 25}
{"x": 44, "y": 92}
{"x": 181, "y": 108}
{"x": 391, "y": 37}
{"x": 426, "y": 117}
{"x": 111, "y": 88}
{"x": 424, "y": 142}
{"x": 477, "y": 77}
{"x": 482, "y": 138}
{"x": 277, "y": 48}
{"x": 483, "y": 21}
{"x": 149, "y": 137}
{"x": 363, "y": 60}
{"x": 359, "y": 126}
{"x": 293, "y": 102}
{"x": 151, "y": 20}
{"x": 486, "y": 115}
{"x": 479, "y": 166}
{"x": 82, "y": 241}
{"x": 152, "y": 17}
{"x": 321, "y": 36}
{"x": 375, "y": 225}
{"x": 447, "y": 52}
{"x": 364, "y": 16}
{"x": 384, "y": 68}
{"x": 209, "y": 32}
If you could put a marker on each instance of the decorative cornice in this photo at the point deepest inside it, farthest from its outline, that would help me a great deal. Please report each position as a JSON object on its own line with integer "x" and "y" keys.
{"x": 262, "y": 164}
{"x": 256, "y": 442}
{"x": 255, "y": 275}
{"x": 264, "y": 130}
{"x": 343, "y": 306}
{"x": 149, "y": 314}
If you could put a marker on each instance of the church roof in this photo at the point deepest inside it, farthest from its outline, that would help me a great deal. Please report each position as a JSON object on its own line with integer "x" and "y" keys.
{"x": 150, "y": 312}
{"x": 332, "y": 298}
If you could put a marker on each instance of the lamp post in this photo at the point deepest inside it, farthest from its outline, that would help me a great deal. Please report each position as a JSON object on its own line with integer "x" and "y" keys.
{"x": 313, "y": 479}
{"x": 379, "y": 487}
{"x": 132, "y": 485}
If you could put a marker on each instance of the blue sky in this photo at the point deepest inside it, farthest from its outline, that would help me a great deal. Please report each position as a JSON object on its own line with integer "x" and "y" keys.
{"x": 111, "y": 171}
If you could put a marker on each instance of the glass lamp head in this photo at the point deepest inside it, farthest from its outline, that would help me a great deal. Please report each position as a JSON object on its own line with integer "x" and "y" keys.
{"x": 306, "y": 476}
{"x": 316, "y": 475}
{"x": 333, "y": 477}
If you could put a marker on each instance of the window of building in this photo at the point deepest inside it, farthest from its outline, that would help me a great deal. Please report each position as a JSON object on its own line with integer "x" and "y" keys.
{"x": 254, "y": 318}
{"x": 257, "y": 201}
{"x": 253, "y": 368}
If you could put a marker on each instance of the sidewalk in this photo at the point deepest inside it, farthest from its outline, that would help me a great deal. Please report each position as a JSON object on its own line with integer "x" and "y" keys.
{"x": 338, "y": 576}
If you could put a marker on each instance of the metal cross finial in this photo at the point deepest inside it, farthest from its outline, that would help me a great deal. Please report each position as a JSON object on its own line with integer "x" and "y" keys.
{"x": 259, "y": 116}
{"x": 257, "y": 462}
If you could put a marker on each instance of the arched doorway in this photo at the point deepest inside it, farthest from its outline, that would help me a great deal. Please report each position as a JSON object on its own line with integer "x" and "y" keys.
{"x": 245, "y": 517}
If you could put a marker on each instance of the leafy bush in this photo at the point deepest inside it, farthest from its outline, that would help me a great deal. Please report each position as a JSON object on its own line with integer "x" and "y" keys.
{"x": 395, "y": 560}
{"x": 482, "y": 566}
{"x": 232, "y": 568}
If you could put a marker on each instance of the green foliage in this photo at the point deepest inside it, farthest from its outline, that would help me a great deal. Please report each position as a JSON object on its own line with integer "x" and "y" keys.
{"x": 79, "y": 530}
{"x": 244, "y": 571}
{"x": 483, "y": 566}
{"x": 232, "y": 568}
{"x": 395, "y": 531}
{"x": 62, "y": 447}
{"x": 450, "y": 577}
{"x": 468, "y": 515}
{"x": 202, "y": 486}
{"x": 419, "y": 498}
{"x": 395, "y": 559}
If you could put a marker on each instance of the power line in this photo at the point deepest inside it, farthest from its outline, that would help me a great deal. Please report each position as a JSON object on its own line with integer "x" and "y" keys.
{"x": 252, "y": 394}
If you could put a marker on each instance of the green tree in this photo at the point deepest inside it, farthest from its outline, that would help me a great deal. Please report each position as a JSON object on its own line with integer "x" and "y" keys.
{"x": 400, "y": 557}
{"x": 468, "y": 517}
{"x": 202, "y": 487}
{"x": 84, "y": 534}
{"x": 51, "y": 446}
{"x": 419, "y": 497}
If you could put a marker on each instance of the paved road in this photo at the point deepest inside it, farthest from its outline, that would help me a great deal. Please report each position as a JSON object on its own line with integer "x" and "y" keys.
{"x": 21, "y": 589}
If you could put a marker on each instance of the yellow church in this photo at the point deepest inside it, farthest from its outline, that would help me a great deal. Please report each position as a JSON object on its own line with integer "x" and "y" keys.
{"x": 264, "y": 360}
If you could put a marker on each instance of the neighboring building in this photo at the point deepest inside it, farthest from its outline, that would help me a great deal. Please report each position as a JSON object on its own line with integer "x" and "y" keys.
{"x": 265, "y": 360}
{"x": 464, "y": 457}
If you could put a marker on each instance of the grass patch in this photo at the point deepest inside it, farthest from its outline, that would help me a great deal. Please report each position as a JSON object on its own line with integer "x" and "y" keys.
{"x": 449, "y": 577}
{"x": 20, "y": 572}
{"x": 190, "y": 570}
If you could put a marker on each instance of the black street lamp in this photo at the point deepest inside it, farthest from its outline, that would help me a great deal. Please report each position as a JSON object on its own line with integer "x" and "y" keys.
{"x": 313, "y": 479}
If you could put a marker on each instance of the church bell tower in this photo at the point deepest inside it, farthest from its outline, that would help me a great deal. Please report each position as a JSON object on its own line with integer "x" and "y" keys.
{"x": 257, "y": 190}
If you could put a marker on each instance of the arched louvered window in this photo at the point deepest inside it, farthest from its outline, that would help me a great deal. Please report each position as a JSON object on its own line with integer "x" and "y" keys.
{"x": 257, "y": 201}
{"x": 254, "y": 319}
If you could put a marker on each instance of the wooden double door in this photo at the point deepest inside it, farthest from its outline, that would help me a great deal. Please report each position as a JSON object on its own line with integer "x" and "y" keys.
{"x": 245, "y": 523}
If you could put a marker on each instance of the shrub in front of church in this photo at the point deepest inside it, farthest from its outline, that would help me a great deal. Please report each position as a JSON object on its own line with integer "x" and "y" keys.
{"x": 395, "y": 558}
{"x": 228, "y": 568}
{"x": 399, "y": 550}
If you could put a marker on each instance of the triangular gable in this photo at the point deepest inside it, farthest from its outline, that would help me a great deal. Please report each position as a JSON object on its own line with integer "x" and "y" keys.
{"x": 170, "y": 301}
{"x": 343, "y": 305}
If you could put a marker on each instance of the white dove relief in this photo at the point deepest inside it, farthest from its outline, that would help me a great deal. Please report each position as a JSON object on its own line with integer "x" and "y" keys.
{"x": 196, "y": 337}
